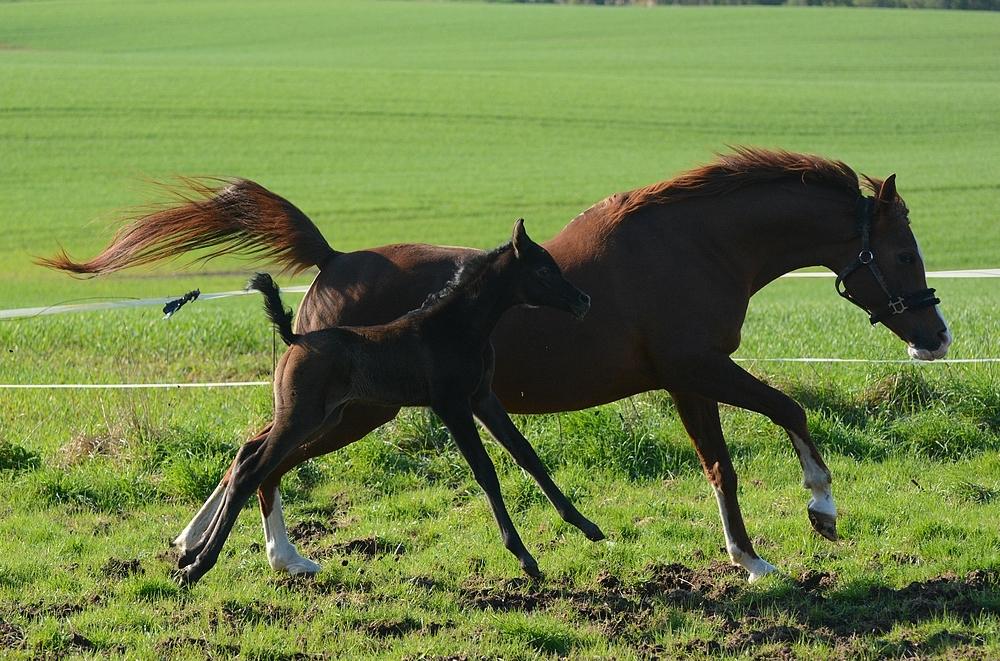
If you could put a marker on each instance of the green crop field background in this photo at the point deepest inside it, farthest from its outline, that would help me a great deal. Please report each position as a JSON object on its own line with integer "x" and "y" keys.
{"x": 441, "y": 123}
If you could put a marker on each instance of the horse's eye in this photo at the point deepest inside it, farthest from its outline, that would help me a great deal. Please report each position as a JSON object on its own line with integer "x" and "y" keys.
{"x": 907, "y": 258}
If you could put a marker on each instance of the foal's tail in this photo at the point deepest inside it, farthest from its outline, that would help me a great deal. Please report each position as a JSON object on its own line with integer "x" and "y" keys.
{"x": 235, "y": 216}
{"x": 279, "y": 315}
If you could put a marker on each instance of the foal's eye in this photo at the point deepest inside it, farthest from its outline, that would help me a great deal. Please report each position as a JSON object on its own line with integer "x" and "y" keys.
{"x": 908, "y": 258}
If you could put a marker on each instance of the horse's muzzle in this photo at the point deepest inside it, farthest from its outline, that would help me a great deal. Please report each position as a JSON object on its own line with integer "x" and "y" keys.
{"x": 918, "y": 352}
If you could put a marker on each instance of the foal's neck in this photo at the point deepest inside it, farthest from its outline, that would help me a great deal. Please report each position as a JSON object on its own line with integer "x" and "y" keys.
{"x": 474, "y": 308}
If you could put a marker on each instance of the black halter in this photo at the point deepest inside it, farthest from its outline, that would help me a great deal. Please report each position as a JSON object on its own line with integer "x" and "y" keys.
{"x": 896, "y": 304}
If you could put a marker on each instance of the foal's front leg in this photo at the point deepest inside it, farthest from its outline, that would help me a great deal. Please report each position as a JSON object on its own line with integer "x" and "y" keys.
{"x": 458, "y": 418}
{"x": 491, "y": 413}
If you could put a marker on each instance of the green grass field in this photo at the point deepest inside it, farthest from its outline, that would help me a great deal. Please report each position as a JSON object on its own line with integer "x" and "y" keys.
{"x": 441, "y": 122}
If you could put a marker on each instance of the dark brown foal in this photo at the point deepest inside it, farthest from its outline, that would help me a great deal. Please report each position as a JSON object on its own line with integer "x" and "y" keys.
{"x": 438, "y": 356}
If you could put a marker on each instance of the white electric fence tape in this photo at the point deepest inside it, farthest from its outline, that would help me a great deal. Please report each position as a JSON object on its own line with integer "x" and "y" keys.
{"x": 109, "y": 305}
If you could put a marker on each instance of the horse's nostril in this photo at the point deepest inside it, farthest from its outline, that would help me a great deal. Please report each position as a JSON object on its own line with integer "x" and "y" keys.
{"x": 584, "y": 299}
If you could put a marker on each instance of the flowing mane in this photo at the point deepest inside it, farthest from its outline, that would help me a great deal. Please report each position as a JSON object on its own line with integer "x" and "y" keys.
{"x": 743, "y": 167}
{"x": 466, "y": 277}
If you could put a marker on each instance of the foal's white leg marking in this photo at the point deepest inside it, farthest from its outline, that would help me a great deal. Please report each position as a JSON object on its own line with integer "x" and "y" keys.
{"x": 756, "y": 567}
{"x": 815, "y": 479}
{"x": 190, "y": 535}
{"x": 281, "y": 553}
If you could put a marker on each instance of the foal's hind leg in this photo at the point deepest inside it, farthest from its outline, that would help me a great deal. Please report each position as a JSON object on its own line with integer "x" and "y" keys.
{"x": 458, "y": 419}
{"x": 196, "y": 528}
{"x": 701, "y": 419}
{"x": 356, "y": 422}
{"x": 253, "y": 463}
{"x": 491, "y": 413}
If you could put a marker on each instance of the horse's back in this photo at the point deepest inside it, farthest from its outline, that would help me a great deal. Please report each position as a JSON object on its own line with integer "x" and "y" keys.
{"x": 375, "y": 286}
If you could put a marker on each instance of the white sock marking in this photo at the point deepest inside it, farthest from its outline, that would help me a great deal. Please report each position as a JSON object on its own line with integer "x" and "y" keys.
{"x": 281, "y": 553}
{"x": 196, "y": 528}
{"x": 756, "y": 567}
{"x": 815, "y": 479}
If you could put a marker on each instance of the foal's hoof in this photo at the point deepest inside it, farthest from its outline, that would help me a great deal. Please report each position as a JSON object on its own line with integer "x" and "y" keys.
{"x": 531, "y": 569}
{"x": 186, "y": 558}
{"x": 824, "y": 524}
{"x": 592, "y": 532}
{"x": 182, "y": 577}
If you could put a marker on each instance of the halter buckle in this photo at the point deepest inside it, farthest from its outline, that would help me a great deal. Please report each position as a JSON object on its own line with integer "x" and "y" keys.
{"x": 866, "y": 256}
{"x": 897, "y": 305}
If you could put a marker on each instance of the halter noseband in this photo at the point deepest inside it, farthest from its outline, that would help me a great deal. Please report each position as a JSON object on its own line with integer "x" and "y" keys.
{"x": 897, "y": 304}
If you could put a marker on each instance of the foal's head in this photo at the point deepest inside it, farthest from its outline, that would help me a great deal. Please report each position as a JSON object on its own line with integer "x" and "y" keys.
{"x": 537, "y": 279}
{"x": 887, "y": 277}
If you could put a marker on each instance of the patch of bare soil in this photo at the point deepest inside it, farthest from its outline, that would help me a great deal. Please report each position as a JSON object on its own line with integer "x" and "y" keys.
{"x": 310, "y": 531}
{"x": 168, "y": 648}
{"x": 810, "y": 610}
{"x": 11, "y": 636}
{"x": 241, "y": 615}
{"x": 121, "y": 569}
{"x": 398, "y": 627}
{"x": 369, "y": 547}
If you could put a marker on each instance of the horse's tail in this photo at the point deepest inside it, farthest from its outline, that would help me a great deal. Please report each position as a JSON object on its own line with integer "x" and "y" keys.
{"x": 279, "y": 315}
{"x": 235, "y": 216}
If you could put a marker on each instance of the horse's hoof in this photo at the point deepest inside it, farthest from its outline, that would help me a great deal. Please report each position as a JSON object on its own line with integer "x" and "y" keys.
{"x": 760, "y": 569}
{"x": 824, "y": 524}
{"x": 302, "y": 567}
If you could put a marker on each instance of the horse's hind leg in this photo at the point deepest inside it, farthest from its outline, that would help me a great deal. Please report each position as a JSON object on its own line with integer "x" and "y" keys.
{"x": 701, "y": 419}
{"x": 189, "y": 537}
{"x": 491, "y": 413}
{"x": 356, "y": 422}
{"x": 458, "y": 419}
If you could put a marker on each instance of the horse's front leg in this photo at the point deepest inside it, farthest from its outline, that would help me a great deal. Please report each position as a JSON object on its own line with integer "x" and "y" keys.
{"x": 720, "y": 379}
{"x": 457, "y": 416}
{"x": 701, "y": 419}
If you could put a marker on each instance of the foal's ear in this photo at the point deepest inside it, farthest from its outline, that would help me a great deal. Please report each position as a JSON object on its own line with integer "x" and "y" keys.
{"x": 519, "y": 238}
{"x": 887, "y": 193}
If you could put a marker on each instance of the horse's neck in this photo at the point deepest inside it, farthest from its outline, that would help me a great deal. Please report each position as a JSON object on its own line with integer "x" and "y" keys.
{"x": 793, "y": 229}
{"x": 755, "y": 234}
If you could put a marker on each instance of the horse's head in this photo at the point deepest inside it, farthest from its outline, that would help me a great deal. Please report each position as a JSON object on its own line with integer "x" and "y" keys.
{"x": 539, "y": 281}
{"x": 887, "y": 277}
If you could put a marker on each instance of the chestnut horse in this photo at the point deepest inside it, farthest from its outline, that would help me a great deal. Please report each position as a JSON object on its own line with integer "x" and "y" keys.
{"x": 670, "y": 268}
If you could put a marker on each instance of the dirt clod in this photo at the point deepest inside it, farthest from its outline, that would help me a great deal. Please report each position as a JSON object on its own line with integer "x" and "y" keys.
{"x": 119, "y": 569}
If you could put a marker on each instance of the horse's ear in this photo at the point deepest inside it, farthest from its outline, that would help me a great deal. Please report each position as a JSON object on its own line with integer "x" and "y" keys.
{"x": 887, "y": 193}
{"x": 519, "y": 238}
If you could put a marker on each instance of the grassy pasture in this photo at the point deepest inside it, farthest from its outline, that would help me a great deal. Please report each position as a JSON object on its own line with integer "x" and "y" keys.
{"x": 441, "y": 123}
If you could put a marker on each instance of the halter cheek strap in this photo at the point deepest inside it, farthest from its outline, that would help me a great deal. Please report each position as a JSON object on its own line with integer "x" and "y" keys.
{"x": 896, "y": 304}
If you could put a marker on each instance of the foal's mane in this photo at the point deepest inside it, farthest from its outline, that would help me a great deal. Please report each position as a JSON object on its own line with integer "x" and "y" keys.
{"x": 467, "y": 279}
{"x": 743, "y": 167}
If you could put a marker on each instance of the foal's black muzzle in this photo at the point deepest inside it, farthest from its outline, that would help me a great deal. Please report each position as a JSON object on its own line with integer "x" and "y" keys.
{"x": 896, "y": 303}
{"x": 581, "y": 306}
